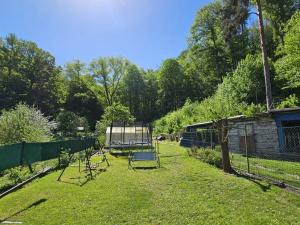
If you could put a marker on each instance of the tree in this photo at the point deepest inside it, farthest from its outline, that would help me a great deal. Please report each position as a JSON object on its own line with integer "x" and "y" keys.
{"x": 29, "y": 74}
{"x": 278, "y": 12}
{"x": 235, "y": 15}
{"x": 84, "y": 99}
{"x": 108, "y": 72}
{"x": 24, "y": 123}
{"x": 246, "y": 83}
{"x": 74, "y": 69}
{"x": 133, "y": 88}
{"x": 150, "y": 97}
{"x": 68, "y": 123}
{"x": 288, "y": 67}
{"x": 207, "y": 43}
{"x": 113, "y": 113}
{"x": 268, "y": 88}
{"x": 170, "y": 80}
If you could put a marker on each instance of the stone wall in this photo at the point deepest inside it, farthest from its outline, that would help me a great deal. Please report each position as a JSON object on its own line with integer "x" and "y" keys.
{"x": 262, "y": 129}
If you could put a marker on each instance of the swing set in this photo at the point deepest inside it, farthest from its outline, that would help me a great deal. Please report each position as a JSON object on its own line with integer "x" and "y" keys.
{"x": 85, "y": 161}
{"x": 136, "y": 139}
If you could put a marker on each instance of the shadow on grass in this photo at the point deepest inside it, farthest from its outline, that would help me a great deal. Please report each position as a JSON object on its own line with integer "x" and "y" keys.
{"x": 144, "y": 168}
{"x": 35, "y": 204}
{"x": 170, "y": 156}
{"x": 82, "y": 180}
{"x": 257, "y": 181}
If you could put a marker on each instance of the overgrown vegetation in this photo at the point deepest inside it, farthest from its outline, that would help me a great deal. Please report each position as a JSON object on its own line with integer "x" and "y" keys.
{"x": 24, "y": 123}
{"x": 207, "y": 155}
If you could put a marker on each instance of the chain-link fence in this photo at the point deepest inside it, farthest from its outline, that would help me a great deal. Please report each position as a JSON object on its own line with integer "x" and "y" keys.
{"x": 268, "y": 152}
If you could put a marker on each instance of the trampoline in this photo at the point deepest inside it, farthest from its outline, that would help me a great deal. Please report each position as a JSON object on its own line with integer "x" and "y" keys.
{"x": 122, "y": 136}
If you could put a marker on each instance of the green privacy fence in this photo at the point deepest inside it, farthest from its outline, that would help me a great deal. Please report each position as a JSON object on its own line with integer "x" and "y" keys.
{"x": 28, "y": 153}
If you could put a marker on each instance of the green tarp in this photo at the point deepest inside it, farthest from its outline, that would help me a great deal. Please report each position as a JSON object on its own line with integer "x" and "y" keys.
{"x": 28, "y": 153}
{"x": 10, "y": 156}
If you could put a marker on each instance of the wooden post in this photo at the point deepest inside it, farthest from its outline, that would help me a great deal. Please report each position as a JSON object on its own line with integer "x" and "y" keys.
{"x": 223, "y": 132}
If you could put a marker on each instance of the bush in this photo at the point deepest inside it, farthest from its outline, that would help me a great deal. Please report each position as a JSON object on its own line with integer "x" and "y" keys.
{"x": 68, "y": 123}
{"x": 24, "y": 123}
{"x": 212, "y": 157}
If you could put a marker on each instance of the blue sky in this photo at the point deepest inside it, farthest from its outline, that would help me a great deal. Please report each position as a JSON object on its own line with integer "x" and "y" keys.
{"x": 144, "y": 31}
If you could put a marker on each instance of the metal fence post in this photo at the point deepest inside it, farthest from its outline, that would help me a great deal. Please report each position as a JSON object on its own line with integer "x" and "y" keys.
{"x": 211, "y": 142}
{"x": 246, "y": 149}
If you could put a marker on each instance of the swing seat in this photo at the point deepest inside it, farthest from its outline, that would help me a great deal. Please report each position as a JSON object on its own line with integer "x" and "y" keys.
{"x": 143, "y": 156}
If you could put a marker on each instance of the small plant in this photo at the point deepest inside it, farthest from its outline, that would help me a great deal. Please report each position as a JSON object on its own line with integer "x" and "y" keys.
{"x": 209, "y": 156}
{"x": 17, "y": 175}
{"x": 63, "y": 159}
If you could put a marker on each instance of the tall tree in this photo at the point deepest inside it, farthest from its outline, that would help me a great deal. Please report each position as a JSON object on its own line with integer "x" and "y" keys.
{"x": 278, "y": 12}
{"x": 133, "y": 87}
{"x": 207, "y": 45}
{"x": 74, "y": 69}
{"x": 235, "y": 15}
{"x": 108, "y": 72}
{"x": 171, "y": 79}
{"x": 269, "y": 100}
{"x": 84, "y": 99}
{"x": 288, "y": 67}
{"x": 29, "y": 74}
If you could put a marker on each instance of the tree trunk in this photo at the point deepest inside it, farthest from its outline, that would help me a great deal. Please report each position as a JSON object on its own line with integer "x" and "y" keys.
{"x": 264, "y": 57}
{"x": 223, "y": 139}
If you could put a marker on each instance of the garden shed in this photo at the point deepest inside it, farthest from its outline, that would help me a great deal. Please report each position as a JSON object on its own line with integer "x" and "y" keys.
{"x": 276, "y": 132}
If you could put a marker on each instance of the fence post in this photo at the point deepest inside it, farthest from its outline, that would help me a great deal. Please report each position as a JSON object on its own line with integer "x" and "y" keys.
{"x": 246, "y": 149}
{"x": 223, "y": 137}
{"x": 211, "y": 142}
{"x": 22, "y": 153}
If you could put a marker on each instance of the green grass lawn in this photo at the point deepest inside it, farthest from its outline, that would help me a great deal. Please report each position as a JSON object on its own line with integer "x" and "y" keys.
{"x": 288, "y": 172}
{"x": 184, "y": 191}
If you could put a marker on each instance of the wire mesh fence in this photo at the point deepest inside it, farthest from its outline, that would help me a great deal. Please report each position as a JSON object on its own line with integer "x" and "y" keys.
{"x": 269, "y": 152}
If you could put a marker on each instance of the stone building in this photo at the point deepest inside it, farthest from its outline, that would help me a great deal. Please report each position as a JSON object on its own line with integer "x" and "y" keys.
{"x": 273, "y": 133}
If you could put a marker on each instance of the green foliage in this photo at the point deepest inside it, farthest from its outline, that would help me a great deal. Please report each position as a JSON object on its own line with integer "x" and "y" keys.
{"x": 213, "y": 108}
{"x": 278, "y": 12}
{"x": 209, "y": 156}
{"x": 117, "y": 112}
{"x": 108, "y": 71}
{"x": 246, "y": 84}
{"x": 17, "y": 175}
{"x": 288, "y": 67}
{"x": 29, "y": 74}
{"x": 207, "y": 42}
{"x": 252, "y": 109}
{"x": 114, "y": 113}
{"x": 84, "y": 98}
{"x": 24, "y": 124}
{"x": 74, "y": 69}
{"x": 68, "y": 123}
{"x": 289, "y": 102}
{"x": 170, "y": 76}
{"x": 133, "y": 89}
